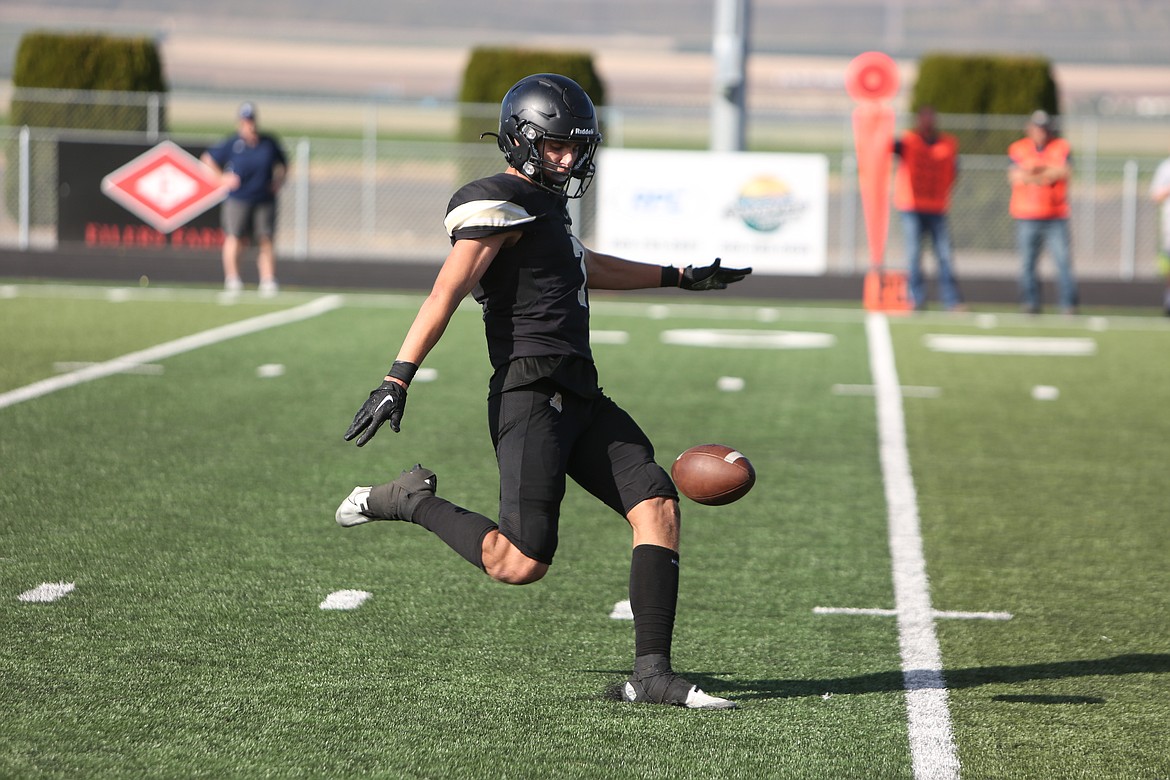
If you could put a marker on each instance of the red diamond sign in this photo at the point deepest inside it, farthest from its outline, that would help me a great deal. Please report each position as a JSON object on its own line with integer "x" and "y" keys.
{"x": 165, "y": 187}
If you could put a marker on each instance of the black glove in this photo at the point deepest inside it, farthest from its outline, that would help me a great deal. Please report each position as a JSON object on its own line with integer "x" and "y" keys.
{"x": 386, "y": 403}
{"x": 710, "y": 277}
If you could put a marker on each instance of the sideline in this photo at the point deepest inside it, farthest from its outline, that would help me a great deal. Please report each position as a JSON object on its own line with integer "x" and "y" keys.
{"x": 170, "y": 349}
{"x": 932, "y": 746}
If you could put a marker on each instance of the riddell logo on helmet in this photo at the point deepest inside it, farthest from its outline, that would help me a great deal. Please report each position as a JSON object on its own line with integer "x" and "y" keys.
{"x": 581, "y": 131}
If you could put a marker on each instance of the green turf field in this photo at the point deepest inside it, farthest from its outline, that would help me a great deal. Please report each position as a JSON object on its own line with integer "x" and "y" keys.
{"x": 189, "y": 503}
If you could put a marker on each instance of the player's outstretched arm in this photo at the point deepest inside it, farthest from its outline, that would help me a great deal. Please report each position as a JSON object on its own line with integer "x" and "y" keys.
{"x": 460, "y": 273}
{"x": 607, "y": 272}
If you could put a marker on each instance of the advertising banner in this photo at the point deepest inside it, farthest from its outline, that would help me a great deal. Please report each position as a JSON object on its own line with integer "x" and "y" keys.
{"x": 767, "y": 211}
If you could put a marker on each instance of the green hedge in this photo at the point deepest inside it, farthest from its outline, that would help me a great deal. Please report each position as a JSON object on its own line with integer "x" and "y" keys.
{"x": 86, "y": 62}
{"x": 491, "y": 72}
{"x": 985, "y": 84}
{"x": 77, "y": 63}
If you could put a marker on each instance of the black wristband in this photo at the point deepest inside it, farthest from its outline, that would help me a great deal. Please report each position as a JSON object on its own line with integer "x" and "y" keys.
{"x": 402, "y": 370}
{"x": 670, "y": 276}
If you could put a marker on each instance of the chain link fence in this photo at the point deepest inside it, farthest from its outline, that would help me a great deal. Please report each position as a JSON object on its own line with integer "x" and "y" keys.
{"x": 370, "y": 179}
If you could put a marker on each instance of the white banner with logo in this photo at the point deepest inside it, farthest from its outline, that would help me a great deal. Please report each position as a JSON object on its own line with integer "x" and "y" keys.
{"x": 767, "y": 211}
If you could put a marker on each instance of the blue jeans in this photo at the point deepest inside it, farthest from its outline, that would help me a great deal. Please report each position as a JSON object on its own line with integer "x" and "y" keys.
{"x": 1031, "y": 236}
{"x": 916, "y": 225}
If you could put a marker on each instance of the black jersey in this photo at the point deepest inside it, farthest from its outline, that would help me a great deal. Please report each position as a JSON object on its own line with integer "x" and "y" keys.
{"x": 534, "y": 298}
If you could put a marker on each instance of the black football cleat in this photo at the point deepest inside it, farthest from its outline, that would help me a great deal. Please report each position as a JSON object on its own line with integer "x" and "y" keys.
{"x": 658, "y": 684}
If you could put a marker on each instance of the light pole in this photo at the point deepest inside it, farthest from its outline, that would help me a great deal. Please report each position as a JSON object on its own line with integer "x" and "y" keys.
{"x": 729, "y": 52}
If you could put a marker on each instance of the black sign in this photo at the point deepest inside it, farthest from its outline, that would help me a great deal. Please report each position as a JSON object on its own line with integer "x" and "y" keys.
{"x": 85, "y": 214}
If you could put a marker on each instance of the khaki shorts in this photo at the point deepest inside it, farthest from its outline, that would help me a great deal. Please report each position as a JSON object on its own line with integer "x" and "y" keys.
{"x": 240, "y": 218}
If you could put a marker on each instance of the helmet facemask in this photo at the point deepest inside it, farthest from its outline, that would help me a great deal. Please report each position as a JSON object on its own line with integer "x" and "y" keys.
{"x": 527, "y": 156}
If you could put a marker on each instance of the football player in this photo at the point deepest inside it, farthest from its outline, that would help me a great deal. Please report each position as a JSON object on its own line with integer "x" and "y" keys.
{"x": 514, "y": 250}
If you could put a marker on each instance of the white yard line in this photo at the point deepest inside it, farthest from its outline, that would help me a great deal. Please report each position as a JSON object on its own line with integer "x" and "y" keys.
{"x": 932, "y": 746}
{"x": 1009, "y": 345}
{"x": 939, "y": 613}
{"x": 169, "y": 349}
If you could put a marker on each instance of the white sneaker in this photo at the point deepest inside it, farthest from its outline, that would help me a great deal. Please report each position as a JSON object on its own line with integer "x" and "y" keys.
{"x": 355, "y": 508}
{"x": 268, "y": 288}
{"x": 233, "y": 285}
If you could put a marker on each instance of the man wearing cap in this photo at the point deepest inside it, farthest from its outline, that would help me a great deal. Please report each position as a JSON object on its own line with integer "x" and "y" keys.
{"x": 1041, "y": 164}
{"x": 252, "y": 165}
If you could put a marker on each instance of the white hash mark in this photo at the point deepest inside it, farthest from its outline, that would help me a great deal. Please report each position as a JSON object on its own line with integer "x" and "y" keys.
{"x": 46, "y": 592}
{"x": 345, "y": 599}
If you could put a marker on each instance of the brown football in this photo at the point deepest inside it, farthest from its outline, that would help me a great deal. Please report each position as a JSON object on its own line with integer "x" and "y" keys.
{"x": 713, "y": 474}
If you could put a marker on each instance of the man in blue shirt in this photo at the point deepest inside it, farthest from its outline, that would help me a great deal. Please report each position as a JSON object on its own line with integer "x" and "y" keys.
{"x": 253, "y": 166}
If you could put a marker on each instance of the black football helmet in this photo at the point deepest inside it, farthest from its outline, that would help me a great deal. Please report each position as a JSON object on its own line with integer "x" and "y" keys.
{"x": 547, "y": 105}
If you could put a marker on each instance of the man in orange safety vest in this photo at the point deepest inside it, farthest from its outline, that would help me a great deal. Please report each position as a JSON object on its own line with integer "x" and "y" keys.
{"x": 927, "y": 169}
{"x": 1041, "y": 165}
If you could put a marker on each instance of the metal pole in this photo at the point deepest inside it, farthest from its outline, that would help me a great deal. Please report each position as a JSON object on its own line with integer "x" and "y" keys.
{"x": 729, "y": 52}
{"x": 153, "y": 116}
{"x": 1129, "y": 220}
{"x": 1087, "y": 217}
{"x": 849, "y": 212}
{"x": 25, "y": 188}
{"x": 370, "y": 171}
{"x": 301, "y": 241}
{"x": 614, "y": 128}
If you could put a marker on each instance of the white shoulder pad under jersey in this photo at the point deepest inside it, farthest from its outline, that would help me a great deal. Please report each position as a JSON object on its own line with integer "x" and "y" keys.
{"x": 486, "y": 216}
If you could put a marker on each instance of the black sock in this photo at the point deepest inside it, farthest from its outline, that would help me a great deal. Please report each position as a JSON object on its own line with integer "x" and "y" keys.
{"x": 463, "y": 531}
{"x": 653, "y": 597}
